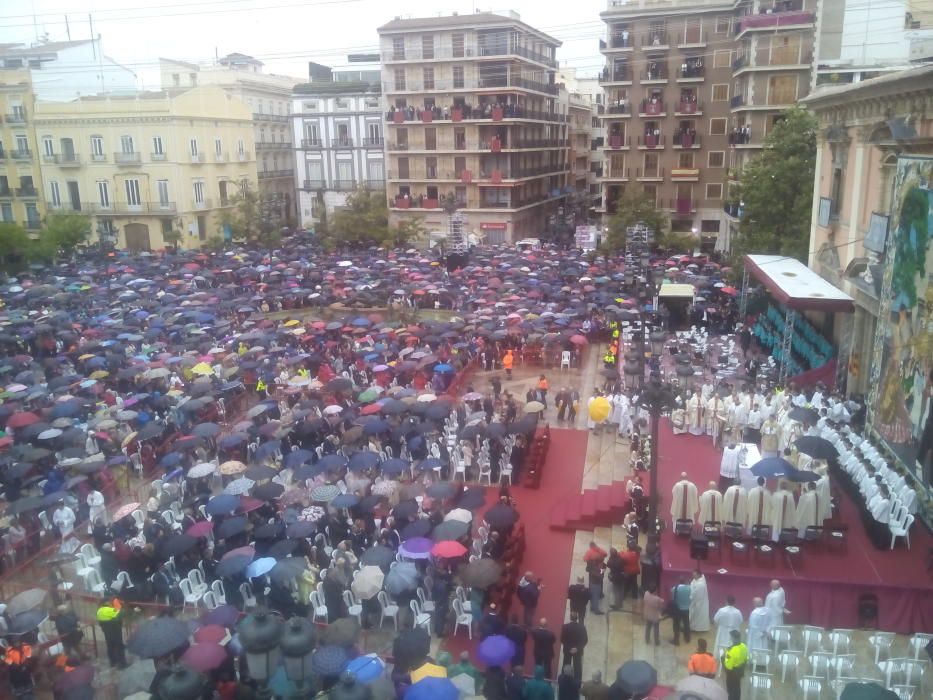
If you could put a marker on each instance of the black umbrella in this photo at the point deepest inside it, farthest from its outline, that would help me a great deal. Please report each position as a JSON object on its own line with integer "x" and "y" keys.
{"x": 260, "y": 472}
{"x": 406, "y": 509}
{"x": 441, "y": 489}
{"x": 866, "y": 691}
{"x": 26, "y": 622}
{"x": 378, "y": 555}
{"x": 329, "y": 660}
{"x": 288, "y": 569}
{"x": 232, "y": 526}
{"x": 233, "y": 565}
{"x": 302, "y": 528}
{"x": 473, "y": 498}
{"x": 496, "y": 430}
{"x": 339, "y": 384}
{"x": 206, "y": 430}
{"x": 24, "y": 505}
{"x": 269, "y": 531}
{"x": 636, "y": 677}
{"x": 158, "y": 637}
{"x": 501, "y": 515}
{"x": 173, "y": 545}
{"x": 410, "y": 646}
{"x": 804, "y": 415}
{"x": 342, "y": 632}
{"x": 816, "y": 447}
{"x": 450, "y": 530}
{"x": 472, "y": 431}
{"x": 268, "y": 492}
{"x": 480, "y": 573}
{"x": 418, "y": 528}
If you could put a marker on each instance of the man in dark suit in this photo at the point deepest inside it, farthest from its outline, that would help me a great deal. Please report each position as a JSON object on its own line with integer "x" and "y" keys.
{"x": 518, "y": 635}
{"x": 573, "y": 639}
{"x": 579, "y": 596}
{"x": 162, "y": 582}
{"x": 491, "y": 622}
{"x": 544, "y": 641}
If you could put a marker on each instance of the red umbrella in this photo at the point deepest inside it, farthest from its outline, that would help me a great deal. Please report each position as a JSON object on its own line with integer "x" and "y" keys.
{"x": 578, "y": 339}
{"x": 448, "y": 549}
{"x": 204, "y": 657}
{"x": 22, "y": 419}
{"x": 249, "y": 504}
{"x": 731, "y": 291}
{"x": 200, "y": 529}
{"x": 211, "y": 634}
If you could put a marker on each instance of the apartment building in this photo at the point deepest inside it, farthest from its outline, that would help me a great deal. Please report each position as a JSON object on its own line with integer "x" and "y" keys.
{"x": 269, "y": 97}
{"x": 147, "y": 164}
{"x": 692, "y": 87}
{"x": 473, "y": 113}
{"x": 337, "y": 128}
{"x": 20, "y": 194}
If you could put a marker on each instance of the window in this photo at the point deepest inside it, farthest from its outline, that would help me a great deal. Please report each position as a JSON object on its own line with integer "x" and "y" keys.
{"x": 309, "y": 106}
{"x": 157, "y": 146}
{"x": 403, "y": 171}
{"x": 377, "y": 174}
{"x": 723, "y": 25}
{"x": 458, "y": 77}
{"x": 176, "y": 80}
{"x": 717, "y": 159}
{"x": 55, "y": 196}
{"x": 374, "y": 133}
{"x": 457, "y": 45}
{"x": 427, "y": 46}
{"x": 398, "y": 48}
{"x": 651, "y": 193}
{"x": 218, "y": 147}
{"x": 344, "y": 173}
{"x": 714, "y": 190}
{"x": 103, "y": 193}
{"x": 132, "y": 193}
{"x": 722, "y": 59}
{"x": 198, "y": 192}
{"x": 22, "y": 143}
{"x": 428, "y": 78}
{"x": 312, "y": 136}
{"x": 460, "y": 138}
{"x": 430, "y": 167}
{"x": 240, "y": 146}
{"x": 782, "y": 89}
{"x": 6, "y": 212}
{"x": 162, "y": 188}
{"x": 126, "y": 144}
{"x": 342, "y": 103}
{"x": 399, "y": 78}
{"x": 48, "y": 146}
{"x": 717, "y": 127}
{"x": 721, "y": 92}
{"x": 685, "y": 160}
{"x": 97, "y": 147}
{"x": 430, "y": 139}
{"x": 193, "y": 145}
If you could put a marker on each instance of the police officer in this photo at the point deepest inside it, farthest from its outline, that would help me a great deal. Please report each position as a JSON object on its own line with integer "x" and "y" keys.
{"x": 734, "y": 661}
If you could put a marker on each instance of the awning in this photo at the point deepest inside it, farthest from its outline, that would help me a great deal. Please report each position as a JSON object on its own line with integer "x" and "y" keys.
{"x": 797, "y": 286}
{"x": 669, "y": 289}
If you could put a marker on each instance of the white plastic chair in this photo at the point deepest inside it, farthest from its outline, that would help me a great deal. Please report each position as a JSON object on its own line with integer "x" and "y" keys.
{"x": 419, "y": 617}
{"x": 913, "y": 672}
{"x": 760, "y": 657}
{"x": 789, "y": 660}
{"x": 387, "y": 609}
{"x": 891, "y": 667}
{"x": 426, "y": 603}
{"x": 187, "y": 590}
{"x": 810, "y": 684}
{"x": 840, "y": 640}
{"x": 464, "y": 597}
{"x": 819, "y": 663}
{"x": 760, "y": 681}
{"x": 901, "y": 528}
{"x": 91, "y": 555}
{"x": 918, "y": 643}
{"x": 83, "y": 569}
{"x": 882, "y": 642}
{"x": 904, "y": 692}
{"x": 246, "y": 591}
{"x": 354, "y": 608}
{"x": 317, "y": 605}
{"x": 217, "y": 588}
{"x": 485, "y": 471}
{"x": 209, "y": 600}
{"x": 842, "y": 665}
{"x": 197, "y": 581}
{"x": 122, "y": 582}
{"x": 461, "y": 617}
{"x": 93, "y": 583}
{"x": 781, "y": 636}
{"x": 565, "y": 359}
{"x": 140, "y": 518}
{"x": 505, "y": 471}
{"x": 812, "y": 639}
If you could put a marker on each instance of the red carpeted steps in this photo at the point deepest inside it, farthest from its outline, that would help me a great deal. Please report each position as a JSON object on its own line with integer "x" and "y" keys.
{"x": 600, "y": 507}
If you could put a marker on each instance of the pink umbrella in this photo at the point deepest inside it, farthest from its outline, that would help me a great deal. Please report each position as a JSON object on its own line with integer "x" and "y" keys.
{"x": 200, "y": 529}
{"x": 123, "y": 511}
{"x": 204, "y": 657}
{"x": 578, "y": 339}
{"x": 211, "y": 634}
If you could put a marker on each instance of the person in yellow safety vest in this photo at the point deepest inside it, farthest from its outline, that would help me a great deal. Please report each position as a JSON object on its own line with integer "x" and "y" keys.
{"x": 260, "y": 385}
{"x": 734, "y": 661}
{"x": 615, "y": 334}
{"x": 19, "y": 657}
{"x": 110, "y": 619}
{"x": 609, "y": 359}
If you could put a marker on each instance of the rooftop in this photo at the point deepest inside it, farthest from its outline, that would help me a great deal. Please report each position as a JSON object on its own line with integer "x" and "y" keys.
{"x": 478, "y": 20}
{"x": 338, "y": 88}
{"x": 920, "y": 77}
{"x": 46, "y": 48}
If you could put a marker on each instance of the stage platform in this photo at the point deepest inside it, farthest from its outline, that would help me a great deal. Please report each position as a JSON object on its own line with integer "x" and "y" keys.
{"x": 823, "y": 587}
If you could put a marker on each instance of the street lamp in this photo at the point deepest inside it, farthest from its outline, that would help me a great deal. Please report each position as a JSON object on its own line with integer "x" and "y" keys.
{"x": 260, "y": 634}
{"x": 297, "y": 646}
{"x": 182, "y": 683}
{"x": 656, "y": 398}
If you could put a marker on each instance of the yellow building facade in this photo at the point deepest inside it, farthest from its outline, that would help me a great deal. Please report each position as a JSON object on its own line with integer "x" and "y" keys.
{"x": 148, "y": 164}
{"x": 20, "y": 181}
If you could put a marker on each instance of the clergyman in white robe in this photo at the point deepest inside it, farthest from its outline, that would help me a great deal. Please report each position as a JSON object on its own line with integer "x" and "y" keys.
{"x": 699, "y": 603}
{"x": 729, "y": 465}
{"x": 783, "y": 512}
{"x": 727, "y": 618}
{"x": 684, "y": 500}
{"x": 808, "y": 511}
{"x": 775, "y": 601}
{"x": 679, "y": 419}
{"x": 695, "y": 415}
{"x": 625, "y": 415}
{"x": 759, "y": 622}
{"x": 758, "y": 505}
{"x": 734, "y": 502}
{"x": 711, "y": 504}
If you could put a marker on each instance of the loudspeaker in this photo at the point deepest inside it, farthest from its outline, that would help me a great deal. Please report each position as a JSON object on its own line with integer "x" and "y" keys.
{"x": 455, "y": 261}
{"x": 699, "y": 548}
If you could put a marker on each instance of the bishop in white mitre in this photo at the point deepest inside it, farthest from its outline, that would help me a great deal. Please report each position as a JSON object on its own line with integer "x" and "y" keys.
{"x": 684, "y": 501}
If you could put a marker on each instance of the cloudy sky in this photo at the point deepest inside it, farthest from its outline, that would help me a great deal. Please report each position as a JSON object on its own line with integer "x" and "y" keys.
{"x": 284, "y": 34}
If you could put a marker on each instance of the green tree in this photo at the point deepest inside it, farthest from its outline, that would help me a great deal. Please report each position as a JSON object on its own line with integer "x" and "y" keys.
{"x": 15, "y": 247}
{"x": 244, "y": 215}
{"x": 63, "y": 233}
{"x": 677, "y": 242}
{"x": 362, "y": 223}
{"x": 172, "y": 237}
{"x": 633, "y": 206}
{"x": 776, "y": 190}
{"x": 406, "y": 232}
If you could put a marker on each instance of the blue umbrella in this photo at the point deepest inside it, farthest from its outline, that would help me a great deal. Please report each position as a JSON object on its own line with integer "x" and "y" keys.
{"x": 395, "y": 466}
{"x": 496, "y": 650}
{"x": 363, "y": 460}
{"x": 222, "y": 504}
{"x": 332, "y": 462}
{"x": 329, "y": 660}
{"x": 375, "y": 426}
{"x": 432, "y": 688}
{"x": 444, "y": 369}
{"x": 773, "y": 467}
{"x": 345, "y": 500}
{"x": 298, "y": 457}
{"x": 428, "y": 464}
{"x": 260, "y": 567}
{"x": 366, "y": 668}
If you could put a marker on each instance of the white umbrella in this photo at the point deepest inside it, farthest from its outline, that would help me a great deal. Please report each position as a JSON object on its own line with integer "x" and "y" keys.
{"x": 239, "y": 486}
{"x": 332, "y": 410}
{"x": 201, "y": 470}
{"x": 427, "y": 398}
{"x": 368, "y": 582}
{"x": 50, "y": 434}
{"x": 705, "y": 687}
{"x": 460, "y": 514}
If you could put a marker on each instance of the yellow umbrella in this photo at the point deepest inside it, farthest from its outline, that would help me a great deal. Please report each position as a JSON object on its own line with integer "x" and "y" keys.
{"x": 428, "y": 670}
{"x": 128, "y": 439}
{"x": 99, "y": 374}
{"x": 293, "y": 322}
{"x": 599, "y": 409}
{"x": 86, "y": 356}
{"x": 203, "y": 369}
{"x": 232, "y": 467}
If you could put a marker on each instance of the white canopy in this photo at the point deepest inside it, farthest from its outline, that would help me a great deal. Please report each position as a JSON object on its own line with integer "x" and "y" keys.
{"x": 796, "y": 285}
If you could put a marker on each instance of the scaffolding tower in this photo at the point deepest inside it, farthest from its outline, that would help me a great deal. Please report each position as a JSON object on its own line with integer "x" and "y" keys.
{"x": 456, "y": 238}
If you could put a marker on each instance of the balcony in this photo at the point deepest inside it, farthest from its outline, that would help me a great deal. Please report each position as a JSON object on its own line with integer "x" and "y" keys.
{"x": 221, "y": 157}
{"x": 203, "y": 204}
{"x": 124, "y": 158}
{"x": 682, "y": 206}
{"x": 17, "y": 117}
{"x": 123, "y": 209}
{"x": 654, "y": 75}
{"x": 27, "y": 192}
{"x": 537, "y": 143}
{"x": 21, "y": 154}
{"x": 618, "y": 142}
{"x": 617, "y": 42}
{"x": 622, "y": 76}
{"x": 259, "y": 116}
{"x": 32, "y": 225}
{"x": 273, "y": 145}
{"x": 619, "y": 109}
{"x": 375, "y": 184}
{"x": 690, "y": 73}
{"x": 370, "y": 142}
{"x": 6, "y": 192}
{"x": 342, "y": 142}
{"x": 158, "y": 157}
{"x": 649, "y": 141}
{"x": 64, "y": 160}
{"x": 459, "y": 113}
{"x": 310, "y": 143}
{"x": 98, "y": 157}
{"x": 655, "y": 41}
{"x": 737, "y": 101}
{"x": 242, "y": 156}
{"x": 649, "y": 174}
{"x": 740, "y": 136}
{"x": 692, "y": 37}
{"x": 732, "y": 209}
{"x": 773, "y": 21}
{"x": 270, "y": 174}
{"x": 685, "y": 174}
{"x": 686, "y": 139}
{"x": 197, "y": 157}
{"x": 688, "y": 107}
{"x": 398, "y": 146}
{"x": 314, "y": 185}
{"x": 516, "y": 51}
{"x": 345, "y": 185}
{"x": 652, "y": 108}
{"x": 739, "y": 62}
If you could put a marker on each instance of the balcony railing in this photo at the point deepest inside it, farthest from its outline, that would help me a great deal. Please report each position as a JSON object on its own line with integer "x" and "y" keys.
{"x": 314, "y": 185}
{"x": 655, "y": 41}
{"x": 21, "y": 154}
{"x": 65, "y": 160}
{"x": 689, "y": 107}
{"x": 690, "y": 72}
{"x": 158, "y": 157}
{"x": 6, "y": 192}
{"x": 98, "y": 157}
{"x": 345, "y": 185}
{"x": 17, "y": 117}
{"x": 689, "y": 139}
{"x": 618, "y": 141}
{"x": 270, "y": 117}
{"x": 774, "y": 20}
{"x": 739, "y": 62}
{"x": 121, "y": 208}
{"x": 458, "y": 113}
{"x": 29, "y": 192}
{"x": 373, "y": 142}
{"x": 656, "y": 74}
{"x": 651, "y": 141}
{"x": 466, "y": 51}
{"x": 683, "y": 205}
{"x": 203, "y": 204}
{"x": 733, "y": 209}
{"x": 342, "y": 142}
{"x": 739, "y": 136}
{"x": 269, "y": 174}
{"x": 197, "y": 157}
{"x": 124, "y": 158}
{"x": 620, "y": 109}
{"x": 242, "y": 156}
{"x": 481, "y": 83}
{"x": 652, "y": 108}
{"x": 311, "y": 143}
{"x": 655, "y": 173}
{"x": 272, "y": 145}
{"x": 619, "y": 75}
{"x": 737, "y": 101}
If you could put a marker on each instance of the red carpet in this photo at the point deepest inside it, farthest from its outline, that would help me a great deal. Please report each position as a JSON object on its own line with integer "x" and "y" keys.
{"x": 547, "y": 553}
{"x": 824, "y": 587}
